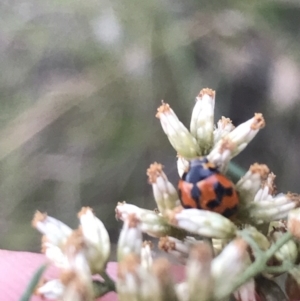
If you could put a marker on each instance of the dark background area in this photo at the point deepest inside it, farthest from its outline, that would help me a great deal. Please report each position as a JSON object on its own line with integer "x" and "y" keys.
{"x": 80, "y": 83}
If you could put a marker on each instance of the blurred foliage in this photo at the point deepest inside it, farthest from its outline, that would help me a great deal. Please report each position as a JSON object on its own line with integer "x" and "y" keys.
{"x": 81, "y": 81}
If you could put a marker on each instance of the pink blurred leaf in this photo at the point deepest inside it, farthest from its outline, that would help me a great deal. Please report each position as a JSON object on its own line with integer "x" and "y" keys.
{"x": 18, "y": 268}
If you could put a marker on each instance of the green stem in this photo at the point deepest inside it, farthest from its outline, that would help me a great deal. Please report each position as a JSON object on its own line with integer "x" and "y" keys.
{"x": 235, "y": 171}
{"x": 103, "y": 287}
{"x": 251, "y": 242}
{"x": 258, "y": 266}
{"x": 277, "y": 245}
{"x": 279, "y": 269}
{"x": 108, "y": 281}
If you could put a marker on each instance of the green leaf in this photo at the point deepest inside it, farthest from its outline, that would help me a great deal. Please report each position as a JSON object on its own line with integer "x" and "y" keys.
{"x": 33, "y": 283}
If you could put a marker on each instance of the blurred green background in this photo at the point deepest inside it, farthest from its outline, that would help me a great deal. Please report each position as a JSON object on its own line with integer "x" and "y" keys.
{"x": 81, "y": 80}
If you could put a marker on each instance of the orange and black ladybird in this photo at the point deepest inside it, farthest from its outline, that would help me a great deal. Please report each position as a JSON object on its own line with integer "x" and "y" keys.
{"x": 203, "y": 186}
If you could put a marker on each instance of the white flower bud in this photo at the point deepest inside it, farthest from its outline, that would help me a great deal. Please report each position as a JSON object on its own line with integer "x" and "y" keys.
{"x": 251, "y": 182}
{"x": 224, "y": 126}
{"x": 231, "y": 262}
{"x": 164, "y": 192}
{"x": 202, "y": 222}
{"x": 288, "y": 252}
{"x": 152, "y": 223}
{"x": 55, "y": 231}
{"x": 274, "y": 208}
{"x": 236, "y": 140}
{"x": 219, "y": 244}
{"x": 293, "y": 223}
{"x": 146, "y": 255}
{"x": 182, "y": 291}
{"x": 54, "y": 254}
{"x": 245, "y": 132}
{"x": 220, "y": 155}
{"x": 202, "y": 121}
{"x": 199, "y": 267}
{"x": 179, "y": 136}
{"x": 267, "y": 189}
{"x": 182, "y": 165}
{"x": 52, "y": 290}
{"x": 155, "y": 225}
{"x": 136, "y": 283}
{"x": 161, "y": 270}
{"x": 96, "y": 239}
{"x": 77, "y": 280}
{"x": 130, "y": 239}
{"x": 174, "y": 246}
{"x": 55, "y": 236}
{"x": 123, "y": 210}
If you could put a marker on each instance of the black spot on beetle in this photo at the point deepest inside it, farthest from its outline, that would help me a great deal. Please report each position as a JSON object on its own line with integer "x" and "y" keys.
{"x": 230, "y": 211}
{"x": 213, "y": 204}
{"x": 219, "y": 191}
{"x": 196, "y": 195}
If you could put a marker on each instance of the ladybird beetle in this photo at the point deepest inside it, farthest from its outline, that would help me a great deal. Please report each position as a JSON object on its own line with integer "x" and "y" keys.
{"x": 203, "y": 186}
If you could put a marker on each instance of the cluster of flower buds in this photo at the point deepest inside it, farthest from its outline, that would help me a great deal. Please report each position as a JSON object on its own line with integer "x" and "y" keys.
{"x": 222, "y": 257}
{"x": 142, "y": 277}
{"x": 78, "y": 253}
{"x": 258, "y": 200}
{"x": 220, "y": 144}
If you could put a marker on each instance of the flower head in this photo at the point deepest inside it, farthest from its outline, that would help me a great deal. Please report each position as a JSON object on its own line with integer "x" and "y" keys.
{"x": 224, "y": 126}
{"x": 219, "y": 145}
{"x": 96, "y": 239}
{"x": 130, "y": 240}
{"x": 164, "y": 192}
{"x": 202, "y": 120}
{"x": 202, "y": 222}
{"x": 91, "y": 239}
{"x": 179, "y": 136}
{"x": 251, "y": 182}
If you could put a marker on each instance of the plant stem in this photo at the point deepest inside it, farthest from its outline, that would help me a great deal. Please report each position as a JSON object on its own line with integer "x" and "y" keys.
{"x": 251, "y": 242}
{"x": 258, "y": 266}
{"x": 279, "y": 269}
{"x": 103, "y": 287}
{"x": 108, "y": 281}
